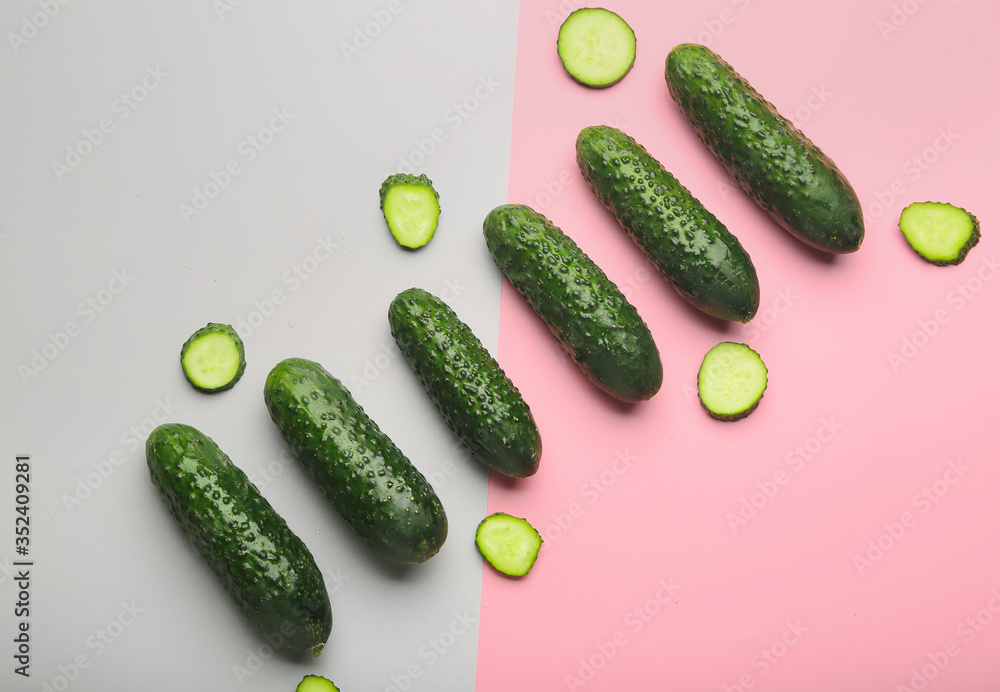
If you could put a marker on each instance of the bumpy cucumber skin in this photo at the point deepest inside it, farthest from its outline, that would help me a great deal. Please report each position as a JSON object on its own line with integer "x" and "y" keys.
{"x": 395, "y": 179}
{"x": 689, "y": 246}
{"x": 479, "y": 402}
{"x": 263, "y": 565}
{"x": 373, "y": 485}
{"x": 585, "y": 311}
{"x": 787, "y": 175}
{"x": 227, "y": 330}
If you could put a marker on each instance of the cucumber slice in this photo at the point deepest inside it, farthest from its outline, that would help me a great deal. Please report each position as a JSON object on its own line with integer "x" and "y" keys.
{"x": 411, "y": 207}
{"x": 941, "y": 233}
{"x": 596, "y": 46}
{"x": 510, "y": 544}
{"x": 213, "y": 358}
{"x": 316, "y": 683}
{"x": 731, "y": 381}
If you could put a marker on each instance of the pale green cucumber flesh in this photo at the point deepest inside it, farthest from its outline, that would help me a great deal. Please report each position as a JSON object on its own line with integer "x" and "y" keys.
{"x": 596, "y": 46}
{"x": 213, "y": 358}
{"x": 411, "y": 207}
{"x": 731, "y": 381}
{"x": 939, "y": 232}
{"x": 316, "y": 683}
{"x": 510, "y": 544}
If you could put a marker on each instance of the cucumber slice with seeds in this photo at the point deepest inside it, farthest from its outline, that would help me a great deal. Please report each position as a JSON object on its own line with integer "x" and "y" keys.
{"x": 731, "y": 381}
{"x": 596, "y": 46}
{"x": 510, "y": 544}
{"x": 316, "y": 683}
{"x": 411, "y": 207}
{"x": 941, "y": 233}
{"x": 213, "y": 358}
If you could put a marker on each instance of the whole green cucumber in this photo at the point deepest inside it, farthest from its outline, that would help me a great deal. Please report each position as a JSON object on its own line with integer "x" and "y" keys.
{"x": 476, "y": 398}
{"x": 263, "y": 565}
{"x": 687, "y": 244}
{"x": 585, "y": 311}
{"x": 787, "y": 175}
{"x": 373, "y": 485}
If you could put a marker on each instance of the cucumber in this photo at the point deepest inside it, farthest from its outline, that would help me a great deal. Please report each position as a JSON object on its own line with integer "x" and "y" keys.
{"x": 939, "y": 232}
{"x": 688, "y": 245}
{"x": 316, "y": 683}
{"x": 213, "y": 358}
{"x": 510, "y": 544}
{"x": 262, "y": 564}
{"x": 731, "y": 381}
{"x": 585, "y": 311}
{"x": 411, "y": 207}
{"x": 596, "y": 47}
{"x": 374, "y": 486}
{"x": 787, "y": 175}
{"x": 476, "y": 398}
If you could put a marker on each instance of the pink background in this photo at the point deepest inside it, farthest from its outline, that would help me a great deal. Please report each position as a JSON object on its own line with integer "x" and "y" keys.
{"x": 647, "y": 580}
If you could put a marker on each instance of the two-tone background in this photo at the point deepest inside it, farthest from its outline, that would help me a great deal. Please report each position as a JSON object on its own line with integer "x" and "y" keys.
{"x": 163, "y": 167}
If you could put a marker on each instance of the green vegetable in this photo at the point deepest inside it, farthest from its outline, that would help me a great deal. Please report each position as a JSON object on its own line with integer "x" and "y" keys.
{"x": 373, "y": 485}
{"x": 477, "y": 399}
{"x": 941, "y": 233}
{"x": 213, "y": 358}
{"x": 690, "y": 247}
{"x": 316, "y": 683}
{"x": 510, "y": 544}
{"x": 411, "y": 207}
{"x": 731, "y": 381}
{"x": 781, "y": 170}
{"x": 264, "y": 566}
{"x": 596, "y": 46}
{"x": 599, "y": 329}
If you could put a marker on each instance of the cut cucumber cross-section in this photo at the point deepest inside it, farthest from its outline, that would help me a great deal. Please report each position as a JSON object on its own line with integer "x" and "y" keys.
{"x": 731, "y": 381}
{"x": 941, "y": 233}
{"x": 213, "y": 358}
{"x": 510, "y": 544}
{"x": 316, "y": 683}
{"x": 411, "y": 207}
{"x": 596, "y": 46}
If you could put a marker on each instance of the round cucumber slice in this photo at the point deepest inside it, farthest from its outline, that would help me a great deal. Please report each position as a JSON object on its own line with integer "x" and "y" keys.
{"x": 411, "y": 207}
{"x": 213, "y": 358}
{"x": 596, "y": 46}
{"x": 316, "y": 683}
{"x": 510, "y": 544}
{"x": 731, "y": 381}
{"x": 941, "y": 233}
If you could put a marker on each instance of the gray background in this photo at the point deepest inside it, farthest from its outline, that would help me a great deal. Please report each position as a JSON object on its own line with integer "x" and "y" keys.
{"x": 104, "y": 275}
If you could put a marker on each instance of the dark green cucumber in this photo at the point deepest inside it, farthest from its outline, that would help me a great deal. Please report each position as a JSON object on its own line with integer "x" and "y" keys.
{"x": 477, "y": 399}
{"x": 779, "y": 167}
{"x": 263, "y": 565}
{"x": 373, "y": 485}
{"x": 585, "y": 311}
{"x": 688, "y": 245}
